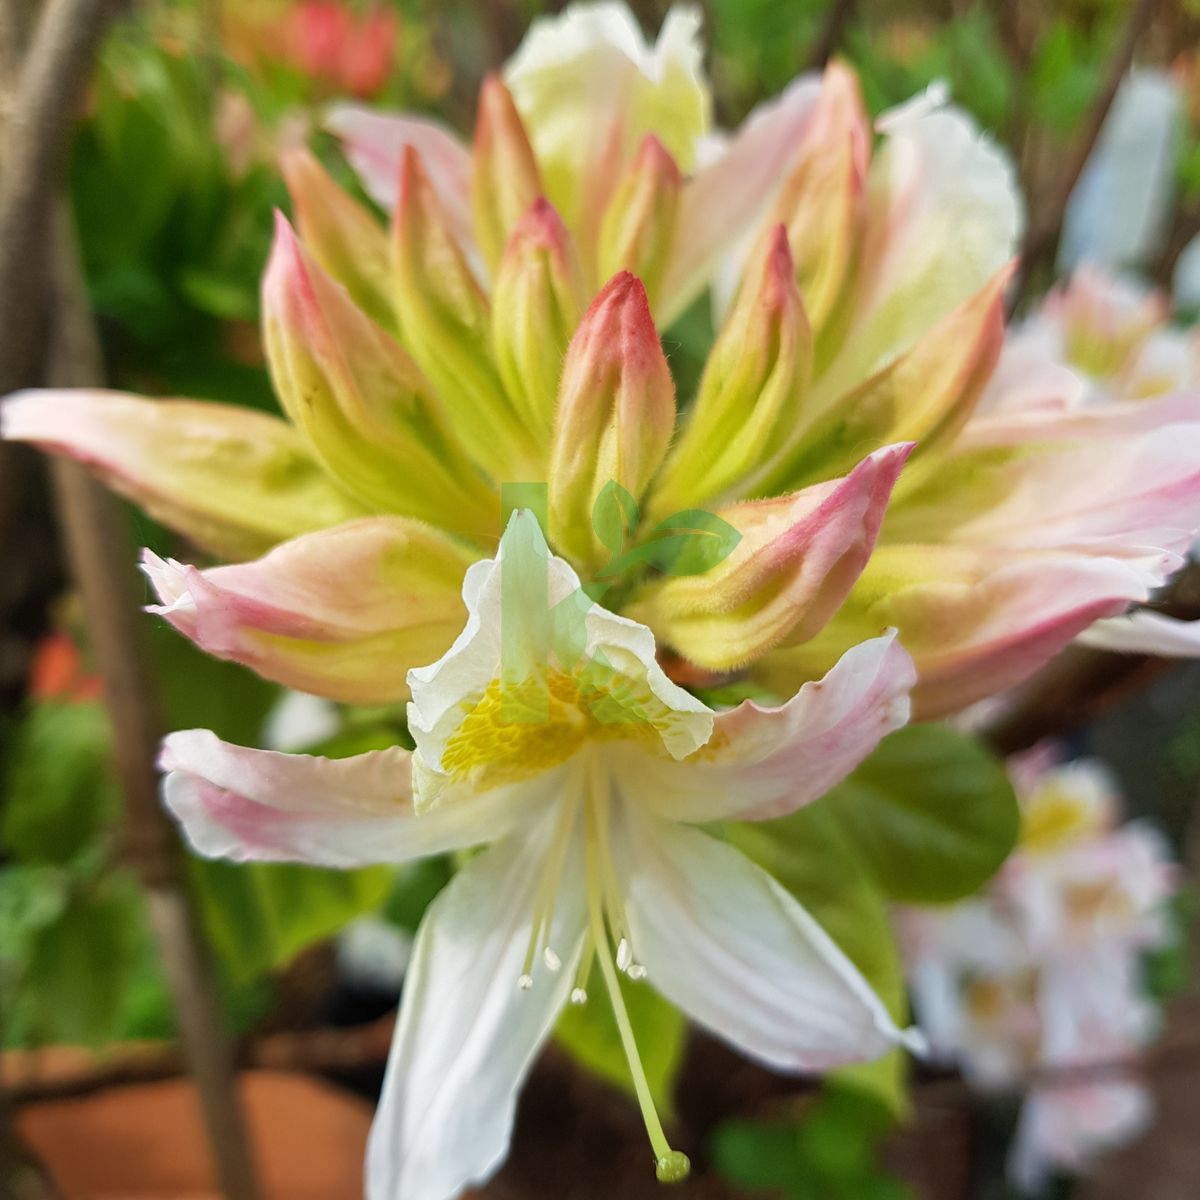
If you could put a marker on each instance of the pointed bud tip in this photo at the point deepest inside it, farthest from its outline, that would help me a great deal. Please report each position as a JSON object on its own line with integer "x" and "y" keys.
{"x": 287, "y": 255}
{"x": 623, "y": 288}
{"x": 622, "y": 306}
{"x": 780, "y": 264}
{"x": 541, "y": 227}
{"x": 411, "y": 177}
{"x": 654, "y": 157}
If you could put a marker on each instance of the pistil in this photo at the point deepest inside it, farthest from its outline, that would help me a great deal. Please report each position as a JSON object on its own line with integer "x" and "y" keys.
{"x": 671, "y": 1166}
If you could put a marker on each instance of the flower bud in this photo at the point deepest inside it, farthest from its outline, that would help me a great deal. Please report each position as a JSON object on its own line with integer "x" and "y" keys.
{"x": 536, "y": 304}
{"x": 638, "y": 227}
{"x": 615, "y": 414}
{"x": 446, "y": 324}
{"x": 798, "y": 558}
{"x": 367, "y": 411}
{"x": 342, "y": 612}
{"x": 924, "y": 396}
{"x": 751, "y": 389}
{"x": 822, "y": 202}
{"x": 504, "y": 179}
{"x": 345, "y": 239}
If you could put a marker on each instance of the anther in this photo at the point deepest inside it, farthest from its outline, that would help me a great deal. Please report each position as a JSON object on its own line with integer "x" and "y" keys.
{"x": 525, "y": 982}
{"x": 624, "y": 955}
{"x": 552, "y": 961}
{"x": 578, "y": 995}
{"x": 636, "y": 972}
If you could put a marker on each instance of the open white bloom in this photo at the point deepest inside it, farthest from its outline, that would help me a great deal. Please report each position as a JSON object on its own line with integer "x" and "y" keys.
{"x": 1042, "y": 971}
{"x": 549, "y": 731}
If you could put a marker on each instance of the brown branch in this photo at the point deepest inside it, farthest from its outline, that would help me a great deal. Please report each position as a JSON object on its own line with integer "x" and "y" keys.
{"x": 65, "y": 1071}
{"x": 837, "y": 17}
{"x": 46, "y": 323}
{"x": 22, "y": 1176}
{"x": 1041, "y": 240}
{"x": 1072, "y": 690}
{"x": 102, "y": 559}
{"x": 36, "y": 136}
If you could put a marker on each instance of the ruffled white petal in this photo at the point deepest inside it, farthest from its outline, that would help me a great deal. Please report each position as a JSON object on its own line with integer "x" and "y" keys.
{"x": 767, "y": 762}
{"x": 589, "y": 87}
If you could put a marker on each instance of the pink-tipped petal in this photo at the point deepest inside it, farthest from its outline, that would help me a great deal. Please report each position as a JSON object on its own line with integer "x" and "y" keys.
{"x": 763, "y": 763}
{"x": 233, "y": 480}
{"x": 342, "y": 613}
{"x": 375, "y": 143}
{"x": 260, "y": 805}
{"x": 725, "y": 198}
{"x": 798, "y": 558}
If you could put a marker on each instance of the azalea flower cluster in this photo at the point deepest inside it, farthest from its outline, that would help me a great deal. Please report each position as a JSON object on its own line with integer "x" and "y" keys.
{"x": 505, "y": 328}
{"x": 1037, "y": 982}
{"x": 1102, "y": 348}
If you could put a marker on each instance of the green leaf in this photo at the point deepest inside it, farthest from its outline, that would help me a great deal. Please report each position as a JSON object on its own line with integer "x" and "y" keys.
{"x": 261, "y": 915}
{"x": 202, "y": 692}
{"x": 58, "y": 790}
{"x": 31, "y": 899}
{"x": 588, "y": 1032}
{"x": 828, "y": 1151}
{"x": 1167, "y": 968}
{"x": 414, "y": 890}
{"x": 73, "y": 986}
{"x": 758, "y": 1154}
{"x": 931, "y": 813}
{"x": 809, "y": 854}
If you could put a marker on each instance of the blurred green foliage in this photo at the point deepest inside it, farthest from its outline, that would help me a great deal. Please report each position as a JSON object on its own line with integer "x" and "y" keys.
{"x": 828, "y": 1151}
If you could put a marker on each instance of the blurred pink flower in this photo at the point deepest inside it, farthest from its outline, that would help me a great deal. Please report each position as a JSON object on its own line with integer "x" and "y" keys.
{"x": 350, "y": 52}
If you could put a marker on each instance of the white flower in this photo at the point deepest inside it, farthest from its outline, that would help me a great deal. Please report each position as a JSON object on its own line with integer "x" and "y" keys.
{"x": 1042, "y": 971}
{"x": 549, "y": 731}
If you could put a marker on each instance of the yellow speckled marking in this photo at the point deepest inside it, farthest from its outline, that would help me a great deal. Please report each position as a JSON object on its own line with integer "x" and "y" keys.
{"x": 521, "y": 728}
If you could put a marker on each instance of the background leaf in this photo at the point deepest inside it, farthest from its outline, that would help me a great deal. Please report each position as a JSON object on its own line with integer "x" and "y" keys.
{"x": 931, "y": 813}
{"x": 588, "y": 1032}
{"x": 58, "y": 792}
{"x": 259, "y": 916}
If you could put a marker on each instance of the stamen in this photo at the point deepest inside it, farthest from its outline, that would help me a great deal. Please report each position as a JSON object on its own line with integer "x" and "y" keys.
{"x": 671, "y": 1166}
{"x": 584, "y": 973}
{"x": 624, "y": 955}
{"x": 547, "y": 895}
